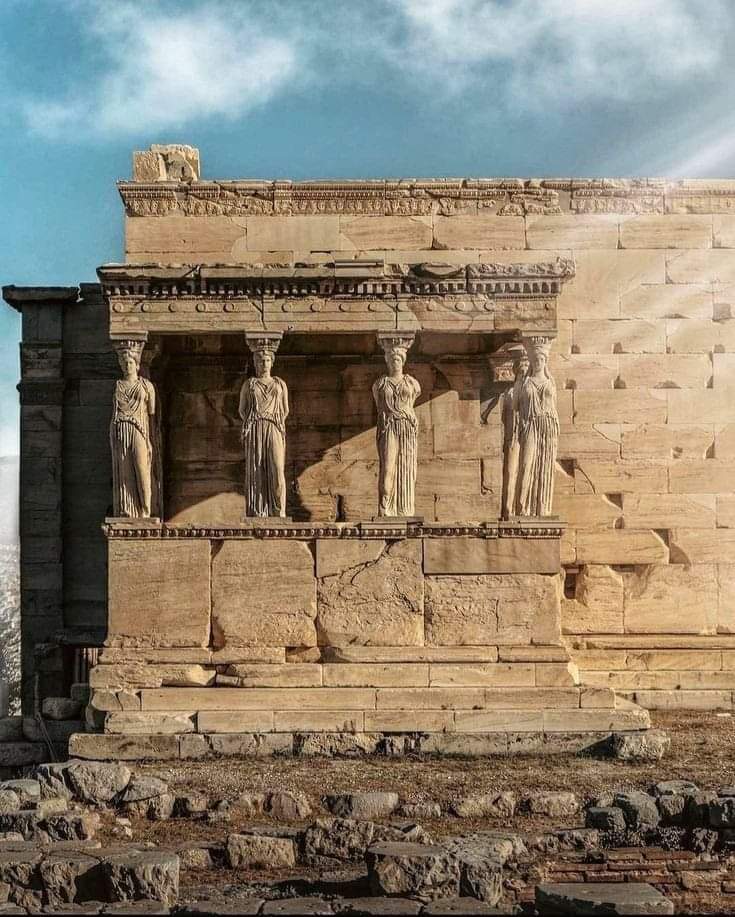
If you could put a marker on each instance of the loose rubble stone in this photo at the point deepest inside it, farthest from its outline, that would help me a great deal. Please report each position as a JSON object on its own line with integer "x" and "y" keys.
{"x": 148, "y": 797}
{"x": 399, "y": 830}
{"x": 257, "y": 850}
{"x": 601, "y": 898}
{"x": 98, "y": 783}
{"x": 9, "y": 801}
{"x": 52, "y": 780}
{"x": 702, "y": 840}
{"x": 29, "y": 791}
{"x": 61, "y": 708}
{"x": 195, "y": 856}
{"x": 488, "y": 805}
{"x": 287, "y": 806}
{"x": 674, "y": 788}
{"x": 722, "y": 812}
{"x": 640, "y": 810}
{"x": 577, "y": 838}
{"x": 63, "y": 875}
{"x": 412, "y": 870}
{"x": 481, "y": 868}
{"x": 640, "y": 746}
{"x": 251, "y": 803}
{"x": 420, "y": 810}
{"x": 671, "y": 809}
{"x": 605, "y": 818}
{"x": 191, "y": 805}
{"x": 331, "y": 841}
{"x": 362, "y": 805}
{"x": 152, "y": 875}
{"x": 19, "y": 872}
{"x": 556, "y": 805}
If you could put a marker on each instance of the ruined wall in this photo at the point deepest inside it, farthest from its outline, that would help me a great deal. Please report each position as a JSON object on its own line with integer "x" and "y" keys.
{"x": 643, "y": 363}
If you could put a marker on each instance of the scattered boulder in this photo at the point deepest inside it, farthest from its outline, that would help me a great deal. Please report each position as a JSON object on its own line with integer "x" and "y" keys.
{"x": 191, "y": 805}
{"x": 52, "y": 780}
{"x": 366, "y": 806}
{"x": 287, "y": 806}
{"x": 61, "y": 708}
{"x": 601, "y": 898}
{"x": 640, "y": 810}
{"x": 640, "y": 746}
{"x": 251, "y": 803}
{"x": 485, "y": 805}
{"x": 152, "y": 875}
{"x": 408, "y": 870}
{"x": 97, "y": 782}
{"x": 555, "y": 805}
{"x": 195, "y": 856}
{"x": 671, "y": 808}
{"x": 420, "y": 810}
{"x": 332, "y": 841}
{"x": 28, "y": 790}
{"x": 258, "y": 850}
{"x": 9, "y": 801}
{"x": 675, "y": 788}
{"x": 605, "y": 818}
{"x": 481, "y": 866}
{"x": 148, "y": 797}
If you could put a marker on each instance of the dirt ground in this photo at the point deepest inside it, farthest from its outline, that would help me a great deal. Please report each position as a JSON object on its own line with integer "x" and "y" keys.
{"x": 702, "y": 750}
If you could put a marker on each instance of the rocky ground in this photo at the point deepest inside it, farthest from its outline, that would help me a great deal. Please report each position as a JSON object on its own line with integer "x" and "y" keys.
{"x": 10, "y": 621}
{"x": 377, "y": 835}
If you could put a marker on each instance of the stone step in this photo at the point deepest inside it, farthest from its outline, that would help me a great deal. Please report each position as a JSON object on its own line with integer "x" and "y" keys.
{"x": 601, "y": 898}
{"x": 189, "y": 700}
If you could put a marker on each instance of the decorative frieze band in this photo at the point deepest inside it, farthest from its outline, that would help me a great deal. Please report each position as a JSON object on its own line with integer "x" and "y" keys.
{"x": 351, "y": 279}
{"x": 308, "y": 531}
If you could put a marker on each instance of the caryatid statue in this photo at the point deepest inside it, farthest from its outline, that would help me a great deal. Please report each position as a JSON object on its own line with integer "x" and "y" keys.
{"x": 263, "y": 411}
{"x": 538, "y": 432}
{"x": 131, "y": 435}
{"x": 397, "y": 429}
{"x": 511, "y": 432}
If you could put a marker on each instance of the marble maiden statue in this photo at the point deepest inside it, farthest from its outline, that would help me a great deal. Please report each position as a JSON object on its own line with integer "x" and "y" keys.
{"x": 538, "y": 432}
{"x": 131, "y": 438}
{"x": 397, "y": 431}
{"x": 511, "y": 433}
{"x": 263, "y": 411}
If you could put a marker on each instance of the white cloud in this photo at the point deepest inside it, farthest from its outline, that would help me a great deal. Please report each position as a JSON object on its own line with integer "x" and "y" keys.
{"x": 163, "y": 68}
{"x": 166, "y": 63}
{"x": 565, "y": 50}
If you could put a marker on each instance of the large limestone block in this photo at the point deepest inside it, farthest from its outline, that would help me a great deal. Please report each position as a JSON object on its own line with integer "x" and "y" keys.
{"x": 726, "y": 511}
{"x": 486, "y": 232}
{"x": 588, "y": 511}
{"x": 232, "y": 699}
{"x": 671, "y": 599}
{"x": 594, "y": 477}
{"x": 376, "y": 675}
{"x": 622, "y": 336}
{"x": 700, "y": 266}
{"x": 663, "y": 442}
{"x": 584, "y": 371}
{"x": 587, "y": 440}
{"x": 684, "y": 370}
{"x": 723, "y": 226}
{"x": 496, "y": 555}
{"x": 726, "y": 601}
{"x": 621, "y": 546}
{"x": 597, "y": 606}
{"x": 669, "y": 511}
{"x": 666, "y": 231}
{"x": 514, "y": 608}
{"x": 699, "y": 336}
{"x": 386, "y": 232}
{"x": 286, "y": 233}
{"x": 158, "y": 592}
{"x": 263, "y": 593}
{"x": 621, "y": 406}
{"x": 668, "y": 300}
{"x": 603, "y": 276}
{"x": 710, "y": 476}
{"x": 702, "y": 546}
{"x": 379, "y": 601}
{"x": 573, "y": 231}
{"x": 708, "y": 406}
{"x": 178, "y": 238}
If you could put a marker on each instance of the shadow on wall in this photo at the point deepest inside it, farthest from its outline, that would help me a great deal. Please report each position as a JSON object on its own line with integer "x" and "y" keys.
{"x": 10, "y": 580}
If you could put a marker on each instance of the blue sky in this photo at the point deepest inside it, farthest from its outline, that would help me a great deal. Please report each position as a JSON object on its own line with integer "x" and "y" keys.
{"x": 365, "y": 88}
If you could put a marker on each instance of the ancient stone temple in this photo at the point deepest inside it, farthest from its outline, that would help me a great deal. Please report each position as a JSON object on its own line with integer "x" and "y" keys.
{"x": 382, "y": 465}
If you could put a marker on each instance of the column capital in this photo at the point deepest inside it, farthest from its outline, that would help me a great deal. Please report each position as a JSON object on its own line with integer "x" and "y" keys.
{"x": 260, "y": 341}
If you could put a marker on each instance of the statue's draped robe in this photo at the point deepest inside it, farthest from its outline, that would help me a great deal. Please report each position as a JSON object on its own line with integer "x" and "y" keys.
{"x": 539, "y": 437}
{"x": 132, "y": 452}
{"x": 263, "y": 410}
{"x": 397, "y": 435}
{"x": 511, "y": 447}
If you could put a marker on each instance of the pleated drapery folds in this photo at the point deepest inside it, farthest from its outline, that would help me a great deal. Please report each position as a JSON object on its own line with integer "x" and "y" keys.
{"x": 263, "y": 410}
{"x": 132, "y": 451}
{"x": 397, "y": 438}
{"x": 539, "y": 438}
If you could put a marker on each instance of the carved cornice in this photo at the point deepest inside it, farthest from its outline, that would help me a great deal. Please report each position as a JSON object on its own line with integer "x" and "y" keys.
{"x": 307, "y": 531}
{"x": 402, "y": 197}
{"x": 338, "y": 278}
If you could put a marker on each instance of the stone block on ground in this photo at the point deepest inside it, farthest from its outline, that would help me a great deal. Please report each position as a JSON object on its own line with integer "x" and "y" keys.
{"x": 481, "y": 865}
{"x": 134, "y": 875}
{"x": 412, "y": 870}
{"x": 97, "y": 783}
{"x": 332, "y": 841}
{"x": 639, "y": 809}
{"x": 605, "y": 818}
{"x": 367, "y": 805}
{"x": 250, "y": 851}
{"x": 485, "y": 805}
{"x": 555, "y": 805}
{"x": 287, "y": 806}
{"x": 148, "y": 797}
{"x": 611, "y": 898}
{"x": 651, "y": 745}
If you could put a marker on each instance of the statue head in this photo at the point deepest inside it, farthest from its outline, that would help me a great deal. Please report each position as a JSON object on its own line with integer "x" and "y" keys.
{"x": 128, "y": 356}
{"x": 538, "y": 349}
{"x": 520, "y": 361}
{"x": 395, "y": 359}
{"x": 263, "y": 360}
